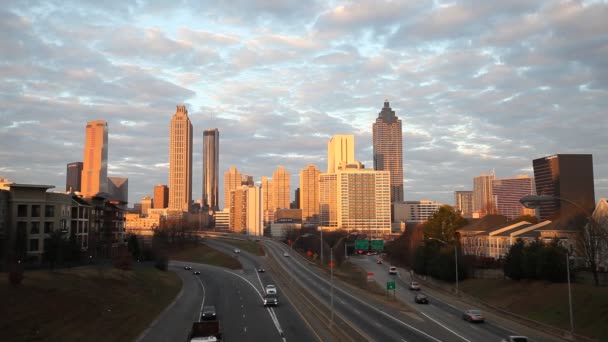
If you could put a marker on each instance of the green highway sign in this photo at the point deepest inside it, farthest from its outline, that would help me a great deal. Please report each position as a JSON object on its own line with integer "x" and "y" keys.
{"x": 390, "y": 285}
{"x": 377, "y": 245}
{"x": 361, "y": 244}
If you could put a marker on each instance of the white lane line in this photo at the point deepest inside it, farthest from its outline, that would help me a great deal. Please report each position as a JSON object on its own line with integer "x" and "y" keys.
{"x": 273, "y": 317}
{"x": 445, "y": 327}
{"x": 203, "y": 303}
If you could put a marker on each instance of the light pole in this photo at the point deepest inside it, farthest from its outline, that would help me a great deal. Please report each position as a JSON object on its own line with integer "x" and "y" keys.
{"x": 455, "y": 258}
{"x": 569, "y": 294}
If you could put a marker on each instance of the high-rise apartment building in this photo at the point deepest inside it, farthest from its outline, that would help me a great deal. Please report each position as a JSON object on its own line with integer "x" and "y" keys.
{"x": 211, "y": 164}
{"x": 95, "y": 161}
{"x": 507, "y": 193}
{"x": 180, "y": 161}
{"x": 483, "y": 199}
{"x": 280, "y": 189}
{"x": 161, "y": 196}
{"x": 118, "y": 188}
{"x": 255, "y": 226}
{"x": 328, "y": 200}
{"x": 238, "y": 209}
{"x": 267, "y": 212}
{"x": 340, "y": 148}
{"x": 463, "y": 203}
{"x": 568, "y": 176}
{"x": 232, "y": 181}
{"x": 388, "y": 149}
{"x": 247, "y": 181}
{"x": 415, "y": 212}
{"x": 73, "y": 176}
{"x": 309, "y": 193}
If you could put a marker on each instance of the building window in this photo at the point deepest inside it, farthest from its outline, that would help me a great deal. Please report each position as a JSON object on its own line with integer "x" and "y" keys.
{"x": 48, "y": 227}
{"x": 35, "y": 210}
{"x": 49, "y": 211}
{"x": 22, "y": 210}
{"x": 35, "y": 229}
{"x": 34, "y": 245}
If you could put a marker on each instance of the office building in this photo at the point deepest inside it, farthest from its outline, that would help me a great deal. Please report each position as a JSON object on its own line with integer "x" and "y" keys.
{"x": 267, "y": 212}
{"x": 414, "y": 212}
{"x": 118, "y": 188}
{"x": 388, "y": 149}
{"x": 483, "y": 198}
{"x": 280, "y": 189}
{"x": 180, "y": 161}
{"x": 309, "y": 194}
{"x": 73, "y": 177}
{"x": 340, "y": 148}
{"x": 161, "y": 196}
{"x": 328, "y": 200}
{"x": 232, "y": 181}
{"x": 507, "y": 193}
{"x": 568, "y": 176}
{"x": 463, "y": 203}
{"x": 95, "y": 162}
{"x": 255, "y": 226}
{"x": 238, "y": 209}
{"x": 211, "y": 164}
{"x": 146, "y": 205}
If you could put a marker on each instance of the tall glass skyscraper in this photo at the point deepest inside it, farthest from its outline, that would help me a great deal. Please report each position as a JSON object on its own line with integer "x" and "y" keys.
{"x": 388, "y": 149}
{"x": 180, "y": 161}
{"x": 211, "y": 164}
{"x": 95, "y": 162}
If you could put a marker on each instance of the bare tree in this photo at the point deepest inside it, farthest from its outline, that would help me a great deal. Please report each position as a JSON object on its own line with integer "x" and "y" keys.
{"x": 593, "y": 244}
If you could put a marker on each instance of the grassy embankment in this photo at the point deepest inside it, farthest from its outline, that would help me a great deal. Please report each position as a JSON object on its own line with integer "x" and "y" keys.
{"x": 547, "y": 302}
{"x": 84, "y": 304}
{"x": 252, "y": 247}
{"x": 204, "y": 254}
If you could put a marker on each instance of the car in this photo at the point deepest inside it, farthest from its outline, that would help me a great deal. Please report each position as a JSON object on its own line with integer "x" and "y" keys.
{"x": 187, "y": 268}
{"x": 261, "y": 270}
{"x": 379, "y": 261}
{"x": 271, "y": 299}
{"x": 286, "y": 255}
{"x": 421, "y": 299}
{"x": 208, "y": 313}
{"x": 196, "y": 272}
{"x": 515, "y": 339}
{"x": 414, "y": 286}
{"x": 392, "y": 270}
{"x": 369, "y": 253}
{"x": 271, "y": 289}
{"x": 473, "y": 316}
{"x": 236, "y": 250}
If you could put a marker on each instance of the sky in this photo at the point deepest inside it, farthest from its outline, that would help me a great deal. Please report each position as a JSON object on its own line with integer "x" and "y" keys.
{"x": 478, "y": 85}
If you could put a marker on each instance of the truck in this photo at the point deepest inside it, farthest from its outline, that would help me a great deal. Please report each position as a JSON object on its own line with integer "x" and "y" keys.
{"x": 205, "y": 331}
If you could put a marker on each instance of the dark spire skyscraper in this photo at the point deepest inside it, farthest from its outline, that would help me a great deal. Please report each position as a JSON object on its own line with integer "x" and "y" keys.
{"x": 388, "y": 149}
{"x": 211, "y": 163}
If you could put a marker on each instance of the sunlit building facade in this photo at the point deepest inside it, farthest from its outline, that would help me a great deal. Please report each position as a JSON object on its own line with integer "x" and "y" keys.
{"x": 232, "y": 181}
{"x": 328, "y": 200}
{"x": 309, "y": 194}
{"x": 340, "y": 148}
{"x": 280, "y": 189}
{"x": 211, "y": 164}
{"x": 161, "y": 196}
{"x": 180, "y": 161}
{"x": 95, "y": 162}
{"x": 507, "y": 193}
{"x": 267, "y": 211}
{"x": 388, "y": 149}
{"x": 483, "y": 198}
{"x": 463, "y": 203}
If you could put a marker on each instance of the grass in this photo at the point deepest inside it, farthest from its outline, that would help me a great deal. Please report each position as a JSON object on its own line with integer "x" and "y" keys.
{"x": 547, "y": 302}
{"x": 252, "y": 247}
{"x": 205, "y": 255}
{"x": 84, "y": 304}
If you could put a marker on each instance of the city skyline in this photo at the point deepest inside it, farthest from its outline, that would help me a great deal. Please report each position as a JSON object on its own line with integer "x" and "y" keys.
{"x": 477, "y": 88}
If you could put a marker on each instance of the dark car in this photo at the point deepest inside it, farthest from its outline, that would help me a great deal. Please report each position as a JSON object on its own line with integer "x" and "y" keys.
{"x": 208, "y": 313}
{"x": 187, "y": 268}
{"x": 196, "y": 272}
{"x": 261, "y": 270}
{"x": 515, "y": 339}
{"x": 473, "y": 316}
{"x": 271, "y": 299}
{"x": 421, "y": 299}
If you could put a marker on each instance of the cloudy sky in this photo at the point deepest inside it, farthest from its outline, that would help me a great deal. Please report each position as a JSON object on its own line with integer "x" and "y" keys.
{"x": 479, "y": 85}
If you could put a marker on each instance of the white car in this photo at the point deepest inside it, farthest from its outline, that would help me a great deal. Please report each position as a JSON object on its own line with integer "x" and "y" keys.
{"x": 286, "y": 255}
{"x": 236, "y": 250}
{"x": 392, "y": 270}
{"x": 271, "y": 289}
{"x": 414, "y": 286}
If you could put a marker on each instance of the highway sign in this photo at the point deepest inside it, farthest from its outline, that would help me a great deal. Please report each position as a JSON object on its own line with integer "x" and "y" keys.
{"x": 377, "y": 245}
{"x": 361, "y": 244}
{"x": 390, "y": 285}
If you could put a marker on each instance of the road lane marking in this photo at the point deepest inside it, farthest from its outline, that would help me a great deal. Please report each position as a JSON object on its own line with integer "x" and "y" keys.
{"x": 203, "y": 303}
{"x": 448, "y": 329}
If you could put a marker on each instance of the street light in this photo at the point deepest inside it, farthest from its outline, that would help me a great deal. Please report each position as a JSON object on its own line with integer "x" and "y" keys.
{"x": 455, "y": 258}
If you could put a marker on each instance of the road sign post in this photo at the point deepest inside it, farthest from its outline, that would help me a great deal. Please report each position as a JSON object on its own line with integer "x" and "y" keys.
{"x": 362, "y": 245}
{"x": 377, "y": 245}
{"x": 390, "y": 285}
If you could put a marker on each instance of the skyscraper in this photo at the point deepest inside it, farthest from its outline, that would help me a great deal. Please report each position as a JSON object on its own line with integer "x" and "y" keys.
{"x": 569, "y": 176}
{"x": 180, "y": 161}
{"x": 340, "y": 148}
{"x": 280, "y": 189}
{"x": 328, "y": 201}
{"x": 232, "y": 181}
{"x": 483, "y": 199}
{"x": 118, "y": 188}
{"x": 95, "y": 161}
{"x": 161, "y": 196}
{"x": 463, "y": 203}
{"x": 507, "y": 193}
{"x": 211, "y": 163}
{"x": 73, "y": 176}
{"x": 267, "y": 212}
{"x": 388, "y": 149}
{"x": 309, "y": 193}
